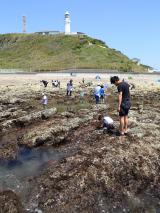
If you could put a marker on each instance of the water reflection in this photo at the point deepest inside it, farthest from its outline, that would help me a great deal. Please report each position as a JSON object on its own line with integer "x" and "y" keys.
{"x": 29, "y": 162}
{"x": 68, "y": 107}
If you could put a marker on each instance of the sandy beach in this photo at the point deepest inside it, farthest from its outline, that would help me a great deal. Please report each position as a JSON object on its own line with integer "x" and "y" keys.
{"x": 142, "y": 81}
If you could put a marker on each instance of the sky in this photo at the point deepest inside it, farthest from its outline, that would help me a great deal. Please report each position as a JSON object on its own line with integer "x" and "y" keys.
{"x": 130, "y": 26}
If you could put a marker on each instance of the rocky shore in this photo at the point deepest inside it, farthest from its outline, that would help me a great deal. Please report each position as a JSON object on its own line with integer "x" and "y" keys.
{"x": 99, "y": 172}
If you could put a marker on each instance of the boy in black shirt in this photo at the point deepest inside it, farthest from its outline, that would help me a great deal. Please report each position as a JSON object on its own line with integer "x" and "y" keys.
{"x": 124, "y": 103}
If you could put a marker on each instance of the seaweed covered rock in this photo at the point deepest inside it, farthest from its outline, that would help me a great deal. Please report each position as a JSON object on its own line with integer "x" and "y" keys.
{"x": 10, "y": 203}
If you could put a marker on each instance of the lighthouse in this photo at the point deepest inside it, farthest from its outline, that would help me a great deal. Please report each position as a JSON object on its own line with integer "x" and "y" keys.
{"x": 67, "y": 24}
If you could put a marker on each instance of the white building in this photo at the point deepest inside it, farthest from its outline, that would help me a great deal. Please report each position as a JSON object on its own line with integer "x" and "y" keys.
{"x": 67, "y": 24}
{"x": 48, "y": 32}
{"x": 67, "y": 30}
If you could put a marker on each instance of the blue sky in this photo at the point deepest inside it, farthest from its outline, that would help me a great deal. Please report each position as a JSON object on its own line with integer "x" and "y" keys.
{"x": 131, "y": 26}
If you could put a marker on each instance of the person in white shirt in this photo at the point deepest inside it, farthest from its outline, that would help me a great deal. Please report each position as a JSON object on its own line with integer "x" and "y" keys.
{"x": 107, "y": 123}
{"x": 69, "y": 89}
{"x": 97, "y": 93}
{"x": 54, "y": 83}
{"x": 44, "y": 101}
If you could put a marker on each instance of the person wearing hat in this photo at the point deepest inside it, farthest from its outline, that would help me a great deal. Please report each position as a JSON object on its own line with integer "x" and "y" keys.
{"x": 124, "y": 103}
{"x": 97, "y": 93}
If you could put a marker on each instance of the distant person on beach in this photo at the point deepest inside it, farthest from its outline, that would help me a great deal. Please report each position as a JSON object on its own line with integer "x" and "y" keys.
{"x": 69, "y": 88}
{"x": 56, "y": 83}
{"x": 105, "y": 86}
{"x": 124, "y": 103}
{"x": 71, "y": 82}
{"x": 97, "y": 93}
{"x": 45, "y": 83}
{"x": 44, "y": 101}
{"x": 131, "y": 85}
{"x": 82, "y": 95}
{"x": 102, "y": 94}
{"x": 59, "y": 84}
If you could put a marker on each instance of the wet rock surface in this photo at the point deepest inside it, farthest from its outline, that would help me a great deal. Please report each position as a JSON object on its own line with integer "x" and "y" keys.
{"x": 101, "y": 172}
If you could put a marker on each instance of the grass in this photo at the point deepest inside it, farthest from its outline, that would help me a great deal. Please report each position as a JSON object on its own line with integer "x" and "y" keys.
{"x": 38, "y": 53}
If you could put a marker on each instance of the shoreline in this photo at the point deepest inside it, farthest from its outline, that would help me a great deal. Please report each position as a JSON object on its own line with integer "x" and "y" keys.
{"x": 19, "y": 81}
{"x": 75, "y": 71}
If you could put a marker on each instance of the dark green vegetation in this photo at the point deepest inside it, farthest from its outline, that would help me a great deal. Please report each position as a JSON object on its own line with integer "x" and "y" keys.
{"x": 33, "y": 52}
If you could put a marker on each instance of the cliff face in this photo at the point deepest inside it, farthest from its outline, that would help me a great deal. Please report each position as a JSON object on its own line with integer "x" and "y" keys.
{"x": 37, "y": 52}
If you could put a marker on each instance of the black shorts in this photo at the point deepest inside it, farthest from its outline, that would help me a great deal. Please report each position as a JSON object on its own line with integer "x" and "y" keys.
{"x": 124, "y": 109}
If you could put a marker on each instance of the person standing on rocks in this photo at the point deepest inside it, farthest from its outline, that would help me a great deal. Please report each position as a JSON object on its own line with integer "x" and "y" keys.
{"x": 69, "y": 88}
{"x": 97, "y": 93}
{"x": 44, "y": 101}
{"x": 102, "y": 94}
{"x": 124, "y": 103}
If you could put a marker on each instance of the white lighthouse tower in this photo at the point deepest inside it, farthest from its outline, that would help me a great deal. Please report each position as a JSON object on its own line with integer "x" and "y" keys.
{"x": 67, "y": 24}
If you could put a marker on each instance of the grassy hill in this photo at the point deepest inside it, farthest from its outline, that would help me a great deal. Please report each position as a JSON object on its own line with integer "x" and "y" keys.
{"x": 56, "y": 52}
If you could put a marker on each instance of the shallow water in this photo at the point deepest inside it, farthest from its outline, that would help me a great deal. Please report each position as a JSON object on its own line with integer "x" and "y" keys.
{"x": 67, "y": 107}
{"x": 29, "y": 162}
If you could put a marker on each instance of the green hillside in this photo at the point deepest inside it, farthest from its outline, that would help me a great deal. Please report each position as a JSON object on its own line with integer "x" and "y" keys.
{"x": 40, "y": 52}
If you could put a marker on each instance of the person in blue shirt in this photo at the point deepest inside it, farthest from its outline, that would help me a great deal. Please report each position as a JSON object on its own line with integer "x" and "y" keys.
{"x": 102, "y": 94}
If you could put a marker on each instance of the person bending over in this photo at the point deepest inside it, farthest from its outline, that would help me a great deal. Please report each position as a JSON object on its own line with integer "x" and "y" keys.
{"x": 45, "y": 83}
{"x": 107, "y": 123}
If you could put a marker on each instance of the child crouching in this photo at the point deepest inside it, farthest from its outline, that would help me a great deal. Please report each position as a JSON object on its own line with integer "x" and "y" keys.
{"x": 107, "y": 123}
